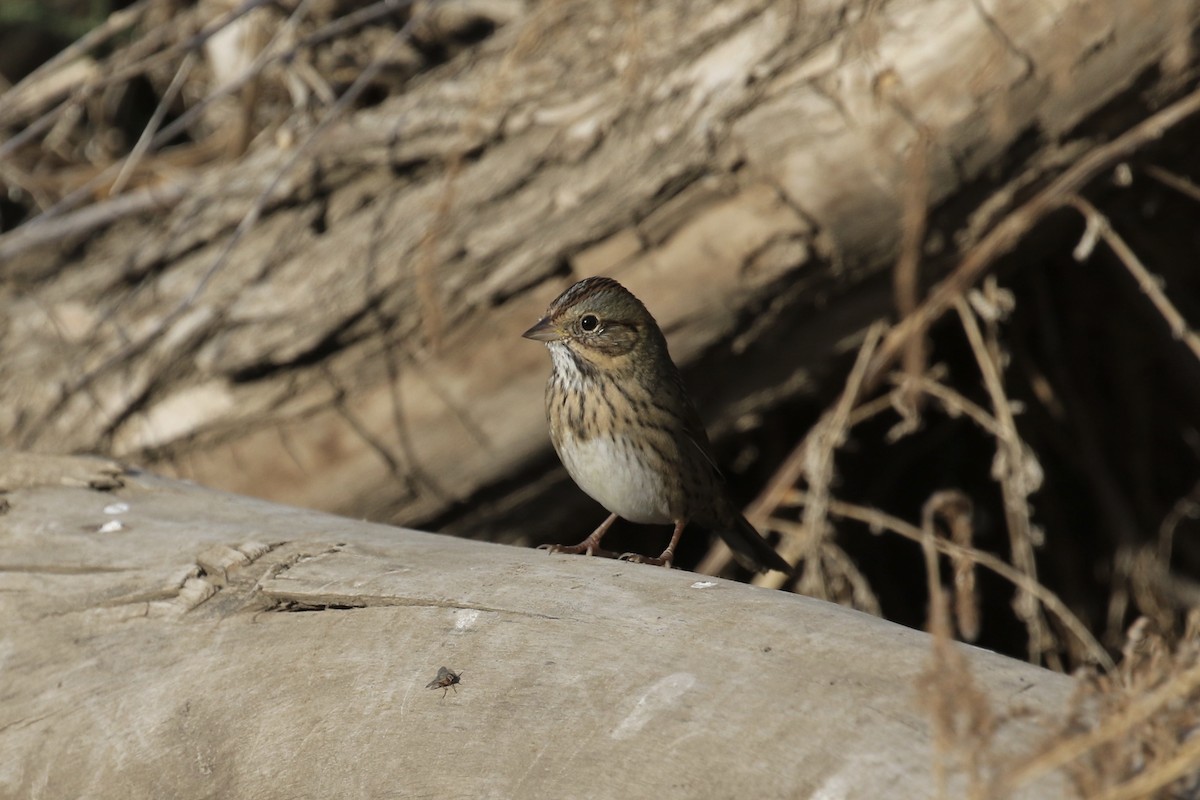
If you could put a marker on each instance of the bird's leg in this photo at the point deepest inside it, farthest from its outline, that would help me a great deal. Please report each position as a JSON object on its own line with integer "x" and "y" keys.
{"x": 667, "y": 556}
{"x": 589, "y": 546}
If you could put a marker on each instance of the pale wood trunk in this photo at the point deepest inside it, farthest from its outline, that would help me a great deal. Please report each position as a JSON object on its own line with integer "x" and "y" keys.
{"x": 741, "y": 166}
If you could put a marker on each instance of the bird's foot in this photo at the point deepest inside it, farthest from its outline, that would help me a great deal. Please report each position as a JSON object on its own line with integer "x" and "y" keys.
{"x": 587, "y": 547}
{"x": 664, "y": 560}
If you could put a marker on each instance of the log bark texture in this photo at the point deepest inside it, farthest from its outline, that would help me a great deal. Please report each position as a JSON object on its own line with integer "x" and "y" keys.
{"x": 161, "y": 639}
{"x": 742, "y": 166}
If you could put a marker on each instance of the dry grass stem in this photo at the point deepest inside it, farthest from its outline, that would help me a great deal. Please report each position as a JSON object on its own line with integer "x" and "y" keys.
{"x": 951, "y": 401}
{"x": 1019, "y": 475}
{"x": 117, "y": 22}
{"x": 1137, "y": 711}
{"x": 906, "y": 275}
{"x": 1179, "y": 184}
{"x": 813, "y": 459}
{"x": 130, "y": 162}
{"x": 943, "y": 669}
{"x": 1013, "y": 227}
{"x": 845, "y": 583}
{"x": 1186, "y": 507}
{"x": 1183, "y": 764}
{"x": 144, "y": 57}
{"x": 1090, "y": 648}
{"x": 956, "y": 511}
{"x": 156, "y": 196}
{"x": 1149, "y": 285}
{"x": 149, "y": 337}
{"x": 962, "y": 720}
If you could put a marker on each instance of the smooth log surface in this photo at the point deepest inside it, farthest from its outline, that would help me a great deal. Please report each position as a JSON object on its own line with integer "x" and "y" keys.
{"x": 165, "y": 640}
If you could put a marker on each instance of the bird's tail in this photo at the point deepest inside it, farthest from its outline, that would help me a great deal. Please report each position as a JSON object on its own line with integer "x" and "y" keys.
{"x": 750, "y": 549}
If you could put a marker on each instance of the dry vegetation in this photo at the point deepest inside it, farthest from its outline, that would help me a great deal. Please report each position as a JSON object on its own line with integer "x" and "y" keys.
{"x": 1136, "y": 729}
{"x": 1012, "y": 460}
{"x": 109, "y": 122}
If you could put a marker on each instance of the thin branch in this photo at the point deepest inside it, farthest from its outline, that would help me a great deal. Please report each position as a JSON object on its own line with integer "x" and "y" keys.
{"x": 251, "y": 218}
{"x": 1071, "y": 748}
{"x": 1176, "y": 182}
{"x": 1005, "y": 235}
{"x": 1012, "y": 470}
{"x": 16, "y": 242}
{"x": 879, "y": 520}
{"x": 906, "y": 275}
{"x": 813, "y": 458}
{"x": 93, "y": 217}
{"x": 140, "y": 148}
{"x": 1148, "y": 283}
{"x": 116, "y": 22}
{"x": 119, "y": 75}
{"x": 953, "y": 402}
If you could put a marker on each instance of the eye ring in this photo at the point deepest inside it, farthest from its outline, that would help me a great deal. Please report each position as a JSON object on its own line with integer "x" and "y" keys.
{"x": 589, "y": 323}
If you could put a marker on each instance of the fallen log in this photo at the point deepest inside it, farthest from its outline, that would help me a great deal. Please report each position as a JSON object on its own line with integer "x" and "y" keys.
{"x": 161, "y": 639}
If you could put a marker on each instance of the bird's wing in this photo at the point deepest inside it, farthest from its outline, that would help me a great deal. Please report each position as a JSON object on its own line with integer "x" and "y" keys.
{"x": 704, "y": 452}
{"x": 693, "y": 428}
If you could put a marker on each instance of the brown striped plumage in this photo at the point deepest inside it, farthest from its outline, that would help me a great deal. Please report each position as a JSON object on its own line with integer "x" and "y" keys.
{"x": 625, "y": 428}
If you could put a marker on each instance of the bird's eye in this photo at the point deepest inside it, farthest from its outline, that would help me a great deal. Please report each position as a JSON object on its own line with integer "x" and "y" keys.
{"x": 589, "y": 322}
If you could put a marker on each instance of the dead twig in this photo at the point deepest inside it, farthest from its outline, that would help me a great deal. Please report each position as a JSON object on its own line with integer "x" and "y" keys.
{"x": 955, "y": 509}
{"x": 879, "y": 520}
{"x": 1139, "y": 710}
{"x": 118, "y": 75}
{"x": 813, "y": 459}
{"x": 906, "y": 275}
{"x": 85, "y": 220}
{"x": 962, "y": 719}
{"x": 1019, "y": 475}
{"x": 1010, "y": 230}
{"x": 142, "y": 146}
{"x": 1176, "y": 182}
{"x": 951, "y": 401}
{"x": 247, "y": 222}
{"x": 117, "y": 22}
{"x": 1149, "y": 284}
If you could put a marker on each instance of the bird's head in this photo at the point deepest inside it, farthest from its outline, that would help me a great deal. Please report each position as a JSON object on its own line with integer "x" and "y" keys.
{"x": 599, "y": 322}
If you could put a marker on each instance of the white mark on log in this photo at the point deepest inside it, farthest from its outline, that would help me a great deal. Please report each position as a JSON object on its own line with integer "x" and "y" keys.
{"x": 849, "y": 782}
{"x": 704, "y": 584}
{"x": 464, "y": 619}
{"x": 836, "y": 787}
{"x": 112, "y": 526}
{"x": 660, "y": 696}
{"x": 520, "y": 784}
{"x": 116, "y": 508}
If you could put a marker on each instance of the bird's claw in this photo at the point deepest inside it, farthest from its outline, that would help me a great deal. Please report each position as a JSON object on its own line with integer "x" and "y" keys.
{"x": 663, "y": 560}
{"x": 576, "y": 549}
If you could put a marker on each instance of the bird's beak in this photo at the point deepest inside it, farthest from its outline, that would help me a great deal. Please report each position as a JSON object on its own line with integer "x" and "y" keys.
{"x": 543, "y": 331}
